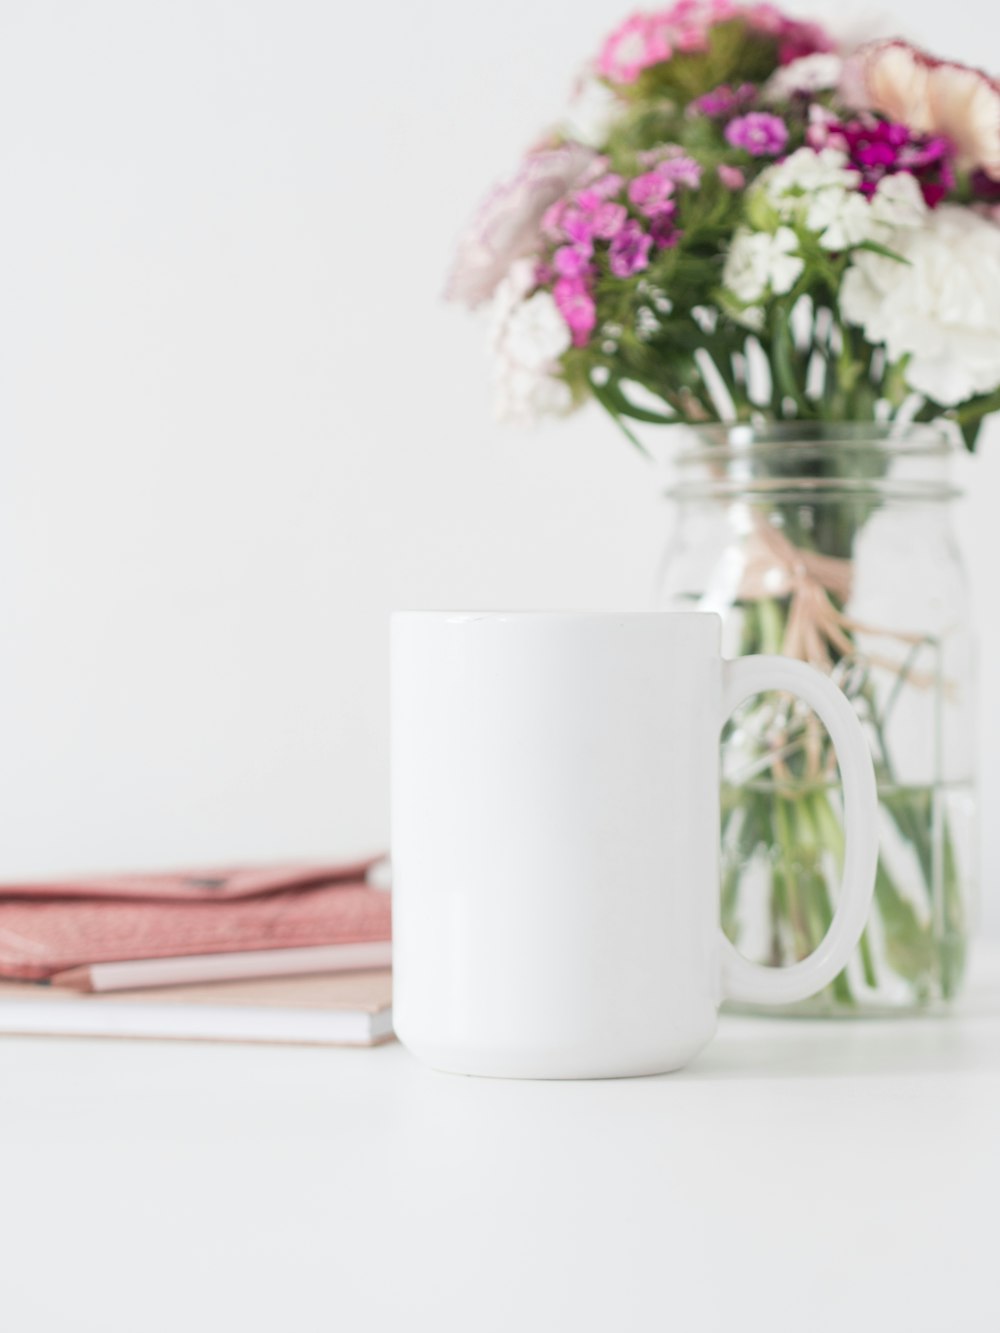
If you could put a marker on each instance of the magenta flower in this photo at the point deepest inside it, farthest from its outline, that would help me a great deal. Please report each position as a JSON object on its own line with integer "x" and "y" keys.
{"x": 576, "y": 226}
{"x": 795, "y": 38}
{"x": 588, "y": 201}
{"x": 984, "y": 189}
{"x": 589, "y": 217}
{"x": 572, "y": 261}
{"x": 731, "y": 177}
{"x": 758, "y": 133}
{"x": 663, "y": 231}
{"x": 576, "y": 305}
{"x": 798, "y": 39}
{"x": 651, "y": 193}
{"x": 723, "y": 101}
{"x": 880, "y": 148}
{"x": 629, "y": 251}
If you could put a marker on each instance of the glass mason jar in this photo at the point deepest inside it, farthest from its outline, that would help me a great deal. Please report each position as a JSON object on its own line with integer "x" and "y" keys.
{"x": 832, "y": 543}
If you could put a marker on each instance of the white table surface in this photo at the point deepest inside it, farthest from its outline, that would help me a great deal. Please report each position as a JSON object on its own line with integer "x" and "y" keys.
{"x": 800, "y": 1176}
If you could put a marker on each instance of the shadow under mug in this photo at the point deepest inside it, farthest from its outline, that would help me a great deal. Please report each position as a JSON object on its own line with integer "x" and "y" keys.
{"x": 555, "y": 839}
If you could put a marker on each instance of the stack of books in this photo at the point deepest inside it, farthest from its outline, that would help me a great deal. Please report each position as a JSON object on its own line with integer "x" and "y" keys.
{"x": 266, "y": 953}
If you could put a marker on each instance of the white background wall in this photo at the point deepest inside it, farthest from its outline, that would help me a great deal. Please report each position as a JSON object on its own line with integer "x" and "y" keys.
{"x": 237, "y": 426}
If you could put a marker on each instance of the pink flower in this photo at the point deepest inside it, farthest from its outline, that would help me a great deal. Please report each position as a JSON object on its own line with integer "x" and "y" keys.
{"x": 587, "y": 200}
{"x": 795, "y": 38}
{"x": 552, "y": 220}
{"x": 651, "y": 193}
{"x": 648, "y": 39}
{"x": 572, "y": 261}
{"x": 576, "y": 305}
{"x": 723, "y": 101}
{"x": 767, "y": 18}
{"x": 629, "y": 251}
{"x": 663, "y": 230}
{"x": 671, "y": 161}
{"x": 598, "y": 168}
{"x": 759, "y": 133}
{"x": 731, "y": 177}
{"x": 577, "y": 225}
{"x": 597, "y": 183}
{"x": 697, "y": 16}
{"x": 984, "y": 189}
{"x": 589, "y": 217}
{"x": 508, "y": 225}
{"x": 609, "y": 220}
{"x": 822, "y": 122}
{"x": 607, "y": 186}
{"x": 935, "y": 97}
{"x": 691, "y": 39}
{"x": 682, "y": 170}
{"x": 639, "y": 42}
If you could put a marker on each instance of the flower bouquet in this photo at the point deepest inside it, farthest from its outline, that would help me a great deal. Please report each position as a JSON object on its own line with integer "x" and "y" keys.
{"x": 793, "y": 249}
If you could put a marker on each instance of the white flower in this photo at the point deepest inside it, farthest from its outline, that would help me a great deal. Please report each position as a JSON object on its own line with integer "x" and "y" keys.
{"x": 512, "y": 289}
{"x": 841, "y": 218}
{"x": 809, "y": 74}
{"x": 803, "y": 173}
{"x": 898, "y": 202}
{"x": 520, "y": 396}
{"x": 529, "y": 336}
{"x": 939, "y": 308}
{"x": 535, "y": 333}
{"x": 819, "y": 190}
{"x": 759, "y": 263}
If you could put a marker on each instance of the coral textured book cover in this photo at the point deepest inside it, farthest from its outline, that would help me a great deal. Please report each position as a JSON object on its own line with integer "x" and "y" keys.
{"x": 55, "y": 928}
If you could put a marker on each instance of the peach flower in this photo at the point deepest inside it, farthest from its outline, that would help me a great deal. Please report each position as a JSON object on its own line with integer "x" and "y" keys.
{"x": 935, "y": 97}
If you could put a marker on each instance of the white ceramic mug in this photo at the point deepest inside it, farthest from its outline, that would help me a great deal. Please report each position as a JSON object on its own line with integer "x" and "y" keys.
{"x": 555, "y": 831}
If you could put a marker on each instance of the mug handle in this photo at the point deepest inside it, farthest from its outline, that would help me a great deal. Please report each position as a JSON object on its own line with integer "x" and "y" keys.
{"x": 751, "y": 982}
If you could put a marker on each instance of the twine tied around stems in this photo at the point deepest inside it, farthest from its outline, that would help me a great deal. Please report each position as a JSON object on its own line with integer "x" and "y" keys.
{"x": 816, "y": 630}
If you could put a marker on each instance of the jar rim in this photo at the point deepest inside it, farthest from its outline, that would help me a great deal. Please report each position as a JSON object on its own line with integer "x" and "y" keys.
{"x": 784, "y": 461}
{"x": 725, "y": 440}
{"x": 813, "y": 492}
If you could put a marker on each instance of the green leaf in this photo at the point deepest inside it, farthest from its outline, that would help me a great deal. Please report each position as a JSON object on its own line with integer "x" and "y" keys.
{"x": 607, "y": 401}
{"x": 970, "y": 433}
{"x": 874, "y": 248}
{"x": 969, "y": 416}
{"x": 613, "y": 396}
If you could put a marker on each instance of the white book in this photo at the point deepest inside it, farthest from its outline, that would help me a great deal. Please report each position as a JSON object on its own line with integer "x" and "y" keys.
{"x": 337, "y": 1009}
